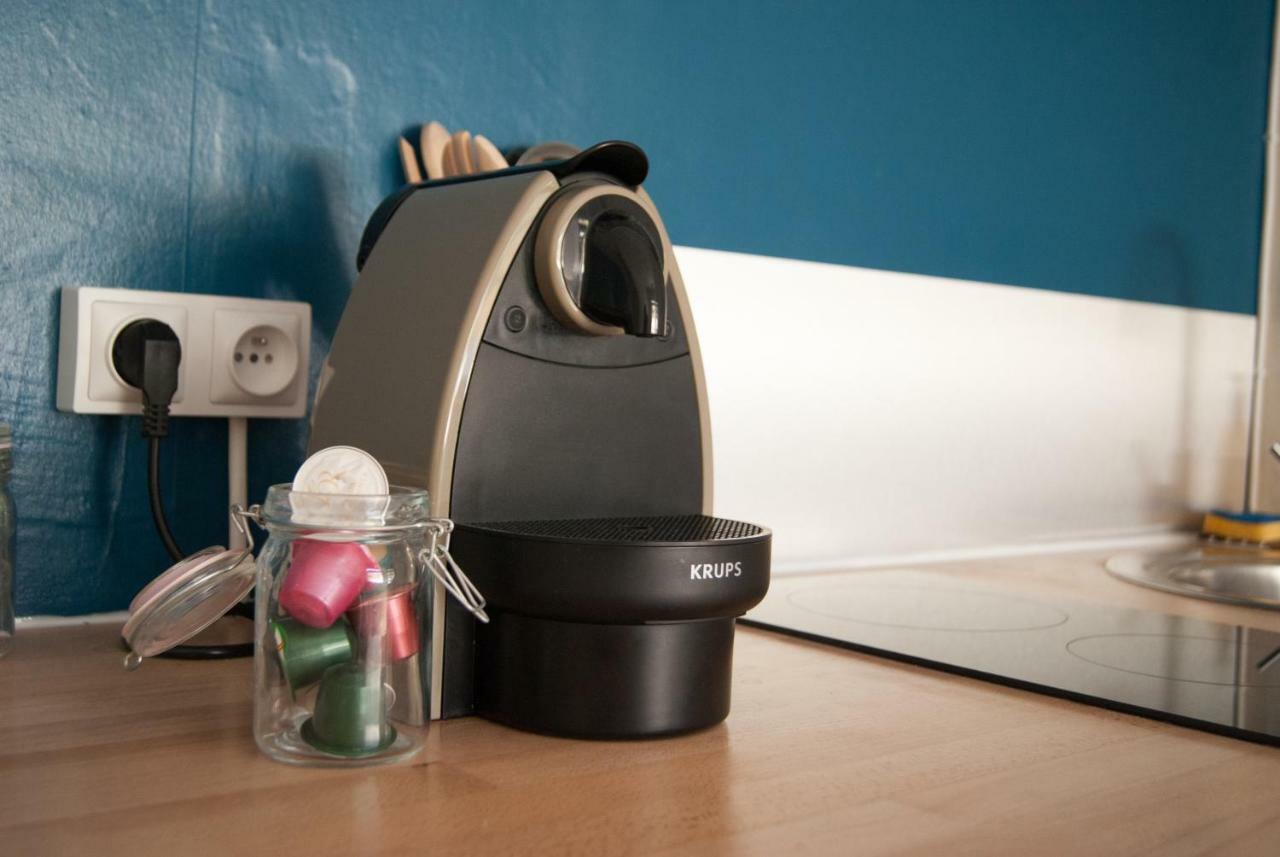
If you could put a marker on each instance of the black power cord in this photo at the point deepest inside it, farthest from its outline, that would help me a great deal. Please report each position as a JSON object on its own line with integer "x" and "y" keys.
{"x": 146, "y": 354}
{"x": 157, "y": 505}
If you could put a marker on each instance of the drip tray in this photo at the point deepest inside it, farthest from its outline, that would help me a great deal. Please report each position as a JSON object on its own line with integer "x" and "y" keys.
{"x": 665, "y": 568}
{"x": 607, "y": 627}
{"x": 1220, "y": 678}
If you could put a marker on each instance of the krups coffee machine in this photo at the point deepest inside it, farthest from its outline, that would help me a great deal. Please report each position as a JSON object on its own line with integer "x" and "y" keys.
{"x": 520, "y": 344}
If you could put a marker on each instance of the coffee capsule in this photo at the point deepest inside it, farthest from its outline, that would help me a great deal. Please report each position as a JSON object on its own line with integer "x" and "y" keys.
{"x": 339, "y": 486}
{"x": 305, "y": 652}
{"x": 350, "y": 717}
{"x": 389, "y": 618}
{"x": 324, "y": 579}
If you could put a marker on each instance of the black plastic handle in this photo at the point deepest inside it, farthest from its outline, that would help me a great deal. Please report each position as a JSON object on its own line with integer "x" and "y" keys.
{"x": 623, "y": 282}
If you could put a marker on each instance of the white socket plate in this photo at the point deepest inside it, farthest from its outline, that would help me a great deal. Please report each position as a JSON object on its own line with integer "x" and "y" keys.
{"x": 208, "y": 327}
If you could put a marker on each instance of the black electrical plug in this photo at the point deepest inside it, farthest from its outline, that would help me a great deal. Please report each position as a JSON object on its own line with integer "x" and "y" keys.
{"x": 146, "y": 354}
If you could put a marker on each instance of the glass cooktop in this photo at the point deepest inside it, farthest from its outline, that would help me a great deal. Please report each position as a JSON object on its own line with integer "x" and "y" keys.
{"x": 1220, "y": 678}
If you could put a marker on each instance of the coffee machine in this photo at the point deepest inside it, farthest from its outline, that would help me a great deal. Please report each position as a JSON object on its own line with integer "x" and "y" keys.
{"x": 520, "y": 344}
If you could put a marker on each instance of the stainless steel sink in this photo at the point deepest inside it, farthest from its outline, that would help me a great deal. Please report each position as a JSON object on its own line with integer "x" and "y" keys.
{"x": 1216, "y": 571}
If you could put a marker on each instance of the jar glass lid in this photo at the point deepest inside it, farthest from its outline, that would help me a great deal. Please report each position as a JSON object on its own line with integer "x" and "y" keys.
{"x": 186, "y": 599}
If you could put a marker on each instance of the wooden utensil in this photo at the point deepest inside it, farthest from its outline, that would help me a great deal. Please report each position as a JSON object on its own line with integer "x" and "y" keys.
{"x": 447, "y": 162}
{"x": 432, "y": 142}
{"x": 487, "y": 156}
{"x": 460, "y": 149}
{"x": 409, "y": 162}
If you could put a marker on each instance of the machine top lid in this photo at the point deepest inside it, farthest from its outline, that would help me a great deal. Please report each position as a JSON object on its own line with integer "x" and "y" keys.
{"x": 617, "y": 159}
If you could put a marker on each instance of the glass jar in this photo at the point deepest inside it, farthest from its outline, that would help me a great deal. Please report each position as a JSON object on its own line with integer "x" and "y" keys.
{"x": 343, "y": 610}
{"x": 342, "y": 624}
{"x": 8, "y": 532}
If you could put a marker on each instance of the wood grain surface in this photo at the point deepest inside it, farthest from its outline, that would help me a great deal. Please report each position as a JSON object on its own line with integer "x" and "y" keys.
{"x": 825, "y": 752}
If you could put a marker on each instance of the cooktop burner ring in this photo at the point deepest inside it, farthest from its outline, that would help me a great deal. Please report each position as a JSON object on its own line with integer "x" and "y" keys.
{"x": 929, "y": 608}
{"x": 1219, "y": 657}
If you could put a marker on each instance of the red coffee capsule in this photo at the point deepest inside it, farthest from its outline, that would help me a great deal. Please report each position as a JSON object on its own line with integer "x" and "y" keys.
{"x": 324, "y": 579}
{"x": 391, "y": 617}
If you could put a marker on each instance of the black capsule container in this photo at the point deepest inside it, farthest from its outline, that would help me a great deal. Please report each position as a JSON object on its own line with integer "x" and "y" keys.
{"x": 613, "y": 627}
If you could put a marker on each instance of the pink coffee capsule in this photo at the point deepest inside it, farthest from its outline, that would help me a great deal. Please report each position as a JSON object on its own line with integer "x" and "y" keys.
{"x": 391, "y": 617}
{"x": 324, "y": 579}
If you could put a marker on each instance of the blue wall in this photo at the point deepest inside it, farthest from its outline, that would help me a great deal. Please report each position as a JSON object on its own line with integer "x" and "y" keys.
{"x": 1111, "y": 148}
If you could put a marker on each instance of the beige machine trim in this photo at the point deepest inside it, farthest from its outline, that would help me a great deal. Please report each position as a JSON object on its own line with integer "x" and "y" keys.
{"x": 700, "y": 387}
{"x": 695, "y": 351}
{"x": 444, "y": 445}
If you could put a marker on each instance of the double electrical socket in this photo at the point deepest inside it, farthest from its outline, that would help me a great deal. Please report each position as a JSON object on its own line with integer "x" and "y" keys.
{"x": 241, "y": 357}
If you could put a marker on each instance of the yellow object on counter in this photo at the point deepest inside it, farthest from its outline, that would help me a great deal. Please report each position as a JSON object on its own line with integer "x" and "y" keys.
{"x": 1259, "y": 529}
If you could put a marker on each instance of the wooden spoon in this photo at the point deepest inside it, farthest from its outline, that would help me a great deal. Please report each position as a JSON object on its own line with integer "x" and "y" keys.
{"x": 432, "y": 142}
{"x": 448, "y": 165}
{"x": 409, "y": 162}
{"x": 460, "y": 149}
{"x": 487, "y": 157}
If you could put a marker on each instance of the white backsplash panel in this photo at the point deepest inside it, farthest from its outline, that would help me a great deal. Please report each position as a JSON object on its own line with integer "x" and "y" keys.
{"x": 869, "y": 415}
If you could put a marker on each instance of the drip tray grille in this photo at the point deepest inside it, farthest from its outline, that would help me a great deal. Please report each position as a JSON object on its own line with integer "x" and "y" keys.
{"x": 669, "y": 529}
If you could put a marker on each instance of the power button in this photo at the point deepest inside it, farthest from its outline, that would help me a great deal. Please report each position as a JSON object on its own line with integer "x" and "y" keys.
{"x": 515, "y": 319}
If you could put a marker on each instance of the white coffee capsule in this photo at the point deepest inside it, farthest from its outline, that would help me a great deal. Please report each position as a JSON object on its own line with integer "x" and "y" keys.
{"x": 339, "y": 486}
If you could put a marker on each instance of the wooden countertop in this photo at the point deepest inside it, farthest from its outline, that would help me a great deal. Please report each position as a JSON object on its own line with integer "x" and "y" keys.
{"x": 826, "y": 751}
